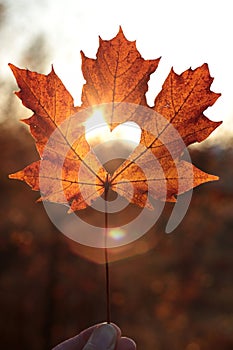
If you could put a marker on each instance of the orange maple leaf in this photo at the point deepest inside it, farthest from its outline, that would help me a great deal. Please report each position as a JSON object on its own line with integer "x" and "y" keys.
{"x": 118, "y": 76}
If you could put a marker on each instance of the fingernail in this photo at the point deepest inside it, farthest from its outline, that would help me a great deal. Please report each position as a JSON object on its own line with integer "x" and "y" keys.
{"x": 104, "y": 337}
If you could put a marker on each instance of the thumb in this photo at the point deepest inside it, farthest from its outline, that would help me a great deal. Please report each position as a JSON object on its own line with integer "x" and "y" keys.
{"x": 103, "y": 337}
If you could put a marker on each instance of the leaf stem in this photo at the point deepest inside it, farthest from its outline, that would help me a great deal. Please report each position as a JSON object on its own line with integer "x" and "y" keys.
{"x": 107, "y": 275}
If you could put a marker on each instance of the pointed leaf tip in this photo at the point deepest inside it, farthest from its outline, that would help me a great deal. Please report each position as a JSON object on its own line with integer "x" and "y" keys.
{"x": 121, "y": 34}
{"x": 12, "y": 176}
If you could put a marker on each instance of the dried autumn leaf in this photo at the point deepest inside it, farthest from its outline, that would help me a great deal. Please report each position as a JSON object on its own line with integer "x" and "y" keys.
{"x": 117, "y": 76}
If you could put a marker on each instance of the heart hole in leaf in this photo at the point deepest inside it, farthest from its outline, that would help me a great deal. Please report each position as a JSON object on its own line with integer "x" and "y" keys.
{"x": 112, "y": 147}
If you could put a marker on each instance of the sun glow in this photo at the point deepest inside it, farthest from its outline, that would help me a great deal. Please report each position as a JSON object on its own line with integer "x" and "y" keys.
{"x": 97, "y": 130}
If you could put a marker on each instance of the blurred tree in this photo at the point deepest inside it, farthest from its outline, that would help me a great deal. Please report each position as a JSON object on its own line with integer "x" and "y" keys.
{"x": 36, "y": 55}
{"x": 2, "y": 13}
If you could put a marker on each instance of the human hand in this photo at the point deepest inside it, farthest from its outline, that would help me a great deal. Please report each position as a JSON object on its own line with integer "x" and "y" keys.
{"x": 103, "y": 336}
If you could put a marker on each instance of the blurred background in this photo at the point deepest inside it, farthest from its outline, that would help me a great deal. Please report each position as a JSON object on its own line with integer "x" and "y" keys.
{"x": 167, "y": 291}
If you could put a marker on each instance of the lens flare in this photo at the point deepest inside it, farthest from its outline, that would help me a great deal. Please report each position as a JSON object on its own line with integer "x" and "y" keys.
{"x": 116, "y": 233}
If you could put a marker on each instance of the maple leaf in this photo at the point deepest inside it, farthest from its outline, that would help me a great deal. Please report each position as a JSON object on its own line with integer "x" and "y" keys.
{"x": 117, "y": 76}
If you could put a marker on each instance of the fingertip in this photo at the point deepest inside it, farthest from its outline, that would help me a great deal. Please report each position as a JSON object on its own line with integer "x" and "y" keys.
{"x": 105, "y": 336}
{"x": 117, "y": 329}
{"x": 80, "y": 341}
{"x": 126, "y": 344}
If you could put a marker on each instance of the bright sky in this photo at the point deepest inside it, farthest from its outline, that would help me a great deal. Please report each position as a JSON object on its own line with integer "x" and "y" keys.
{"x": 185, "y": 33}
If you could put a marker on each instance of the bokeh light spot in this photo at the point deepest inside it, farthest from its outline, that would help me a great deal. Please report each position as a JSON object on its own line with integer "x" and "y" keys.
{"x": 116, "y": 233}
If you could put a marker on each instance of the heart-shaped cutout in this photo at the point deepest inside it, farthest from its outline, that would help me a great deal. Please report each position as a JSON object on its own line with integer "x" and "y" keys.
{"x": 111, "y": 147}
